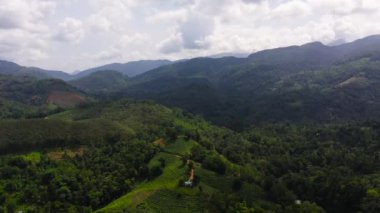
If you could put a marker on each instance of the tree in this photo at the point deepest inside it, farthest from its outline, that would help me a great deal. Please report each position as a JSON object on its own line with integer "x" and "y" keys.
{"x": 10, "y": 187}
{"x": 371, "y": 202}
{"x": 237, "y": 184}
{"x": 215, "y": 164}
{"x": 184, "y": 158}
{"x": 304, "y": 207}
{"x": 2, "y": 198}
{"x": 197, "y": 153}
{"x": 11, "y": 207}
{"x": 155, "y": 171}
{"x": 281, "y": 194}
{"x": 240, "y": 207}
{"x": 162, "y": 162}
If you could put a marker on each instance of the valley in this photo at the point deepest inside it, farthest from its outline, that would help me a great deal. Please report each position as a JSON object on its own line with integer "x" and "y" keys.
{"x": 293, "y": 129}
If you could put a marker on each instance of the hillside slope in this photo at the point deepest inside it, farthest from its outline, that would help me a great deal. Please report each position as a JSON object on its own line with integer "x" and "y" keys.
{"x": 291, "y": 84}
{"x": 10, "y": 68}
{"x": 101, "y": 82}
{"x": 25, "y": 96}
{"x": 136, "y": 156}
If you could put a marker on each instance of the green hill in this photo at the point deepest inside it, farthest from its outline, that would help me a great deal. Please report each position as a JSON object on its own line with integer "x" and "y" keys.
{"x": 308, "y": 83}
{"x": 101, "y": 82}
{"x": 28, "y": 97}
{"x": 308, "y": 139}
{"x": 10, "y": 68}
{"x": 135, "y": 156}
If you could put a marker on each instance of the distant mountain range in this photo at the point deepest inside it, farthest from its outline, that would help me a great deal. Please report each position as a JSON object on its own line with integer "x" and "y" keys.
{"x": 25, "y": 96}
{"x": 307, "y": 121}
{"x": 10, "y": 68}
{"x": 307, "y": 83}
{"x": 230, "y": 54}
{"x": 129, "y": 69}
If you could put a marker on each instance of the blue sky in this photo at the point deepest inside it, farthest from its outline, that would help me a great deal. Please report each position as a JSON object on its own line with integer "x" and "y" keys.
{"x": 73, "y": 35}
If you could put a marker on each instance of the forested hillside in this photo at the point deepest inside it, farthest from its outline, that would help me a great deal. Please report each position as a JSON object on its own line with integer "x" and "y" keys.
{"x": 308, "y": 83}
{"x": 25, "y": 96}
{"x": 84, "y": 159}
{"x": 288, "y": 130}
{"x": 101, "y": 82}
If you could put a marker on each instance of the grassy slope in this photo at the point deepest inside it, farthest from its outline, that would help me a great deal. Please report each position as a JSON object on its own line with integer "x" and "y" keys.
{"x": 163, "y": 194}
{"x": 172, "y": 172}
{"x": 168, "y": 180}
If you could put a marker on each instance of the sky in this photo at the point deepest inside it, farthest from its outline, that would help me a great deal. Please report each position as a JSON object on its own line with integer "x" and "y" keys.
{"x": 72, "y": 35}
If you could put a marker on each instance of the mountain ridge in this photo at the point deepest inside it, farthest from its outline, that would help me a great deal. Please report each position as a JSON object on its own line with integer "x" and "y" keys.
{"x": 130, "y": 69}
{"x": 278, "y": 85}
{"x": 327, "y": 54}
{"x": 303, "y": 132}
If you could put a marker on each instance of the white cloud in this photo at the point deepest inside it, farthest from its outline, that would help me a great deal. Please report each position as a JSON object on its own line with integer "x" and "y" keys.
{"x": 24, "y": 14}
{"x": 292, "y": 9}
{"x": 106, "y": 55}
{"x": 160, "y": 17}
{"x": 113, "y": 15}
{"x": 195, "y": 29}
{"x": 172, "y": 44}
{"x": 9, "y": 19}
{"x": 345, "y": 7}
{"x": 23, "y": 31}
{"x": 99, "y": 23}
{"x": 127, "y": 41}
{"x": 370, "y": 5}
{"x": 70, "y": 30}
{"x": 344, "y": 28}
{"x": 109, "y": 31}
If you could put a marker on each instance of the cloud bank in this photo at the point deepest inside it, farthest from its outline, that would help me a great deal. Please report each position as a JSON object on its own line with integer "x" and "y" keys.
{"x": 75, "y": 34}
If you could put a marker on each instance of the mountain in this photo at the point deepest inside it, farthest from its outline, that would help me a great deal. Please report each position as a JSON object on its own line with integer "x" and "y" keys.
{"x": 104, "y": 81}
{"x": 10, "y": 68}
{"x": 23, "y": 96}
{"x": 230, "y": 54}
{"x": 307, "y": 83}
{"x": 52, "y": 73}
{"x": 129, "y": 69}
{"x": 315, "y": 54}
{"x": 307, "y": 141}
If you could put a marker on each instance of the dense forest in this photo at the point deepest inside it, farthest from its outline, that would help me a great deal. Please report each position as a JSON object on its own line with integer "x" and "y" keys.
{"x": 289, "y": 130}
{"x": 80, "y": 160}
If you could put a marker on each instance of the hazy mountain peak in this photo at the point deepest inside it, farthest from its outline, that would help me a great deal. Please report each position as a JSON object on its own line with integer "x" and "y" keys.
{"x": 313, "y": 44}
{"x": 230, "y": 54}
{"x": 130, "y": 69}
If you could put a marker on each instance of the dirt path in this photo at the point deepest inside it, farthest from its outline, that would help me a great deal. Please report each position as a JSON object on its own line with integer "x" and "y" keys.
{"x": 191, "y": 178}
